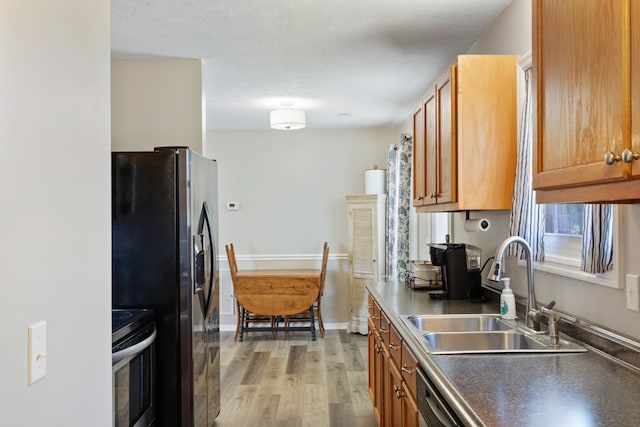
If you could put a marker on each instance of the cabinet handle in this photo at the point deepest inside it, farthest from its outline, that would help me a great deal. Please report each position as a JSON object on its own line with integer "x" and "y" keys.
{"x": 374, "y": 317}
{"x": 377, "y": 348}
{"x": 398, "y": 392}
{"x": 611, "y": 158}
{"x": 384, "y": 331}
{"x": 406, "y": 370}
{"x": 432, "y": 195}
{"x": 392, "y": 346}
{"x": 629, "y": 156}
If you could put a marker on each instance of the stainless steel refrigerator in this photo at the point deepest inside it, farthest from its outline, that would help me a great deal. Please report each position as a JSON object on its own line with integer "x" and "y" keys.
{"x": 164, "y": 257}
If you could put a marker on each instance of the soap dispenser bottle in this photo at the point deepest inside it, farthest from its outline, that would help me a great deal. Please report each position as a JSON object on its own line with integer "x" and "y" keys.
{"x": 507, "y": 301}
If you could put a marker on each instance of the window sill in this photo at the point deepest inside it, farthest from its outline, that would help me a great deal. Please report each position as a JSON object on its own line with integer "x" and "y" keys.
{"x": 571, "y": 269}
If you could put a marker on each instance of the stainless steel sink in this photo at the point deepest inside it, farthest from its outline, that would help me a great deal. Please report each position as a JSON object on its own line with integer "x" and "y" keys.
{"x": 481, "y": 333}
{"x": 511, "y": 341}
{"x": 459, "y": 323}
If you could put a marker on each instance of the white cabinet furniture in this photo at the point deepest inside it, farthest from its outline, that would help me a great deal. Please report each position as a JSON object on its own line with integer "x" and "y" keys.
{"x": 366, "y": 253}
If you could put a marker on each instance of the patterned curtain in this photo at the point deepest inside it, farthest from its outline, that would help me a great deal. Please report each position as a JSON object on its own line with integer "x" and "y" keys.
{"x": 527, "y": 218}
{"x": 398, "y": 206}
{"x": 597, "y": 239}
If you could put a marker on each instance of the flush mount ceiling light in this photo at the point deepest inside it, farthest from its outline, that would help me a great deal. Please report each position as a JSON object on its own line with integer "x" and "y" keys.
{"x": 287, "y": 119}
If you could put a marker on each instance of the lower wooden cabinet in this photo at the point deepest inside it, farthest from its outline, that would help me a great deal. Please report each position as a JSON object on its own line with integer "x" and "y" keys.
{"x": 387, "y": 389}
{"x": 375, "y": 359}
{"x": 392, "y": 377}
{"x": 395, "y": 396}
{"x": 410, "y": 414}
{"x": 371, "y": 359}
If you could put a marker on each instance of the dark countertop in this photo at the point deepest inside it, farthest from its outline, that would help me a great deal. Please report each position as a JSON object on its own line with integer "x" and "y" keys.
{"x": 581, "y": 389}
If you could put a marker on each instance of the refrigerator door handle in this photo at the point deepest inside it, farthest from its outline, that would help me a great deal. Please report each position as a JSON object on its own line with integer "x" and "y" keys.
{"x": 198, "y": 263}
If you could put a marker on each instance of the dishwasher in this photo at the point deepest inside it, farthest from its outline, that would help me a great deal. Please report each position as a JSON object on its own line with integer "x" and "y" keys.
{"x": 432, "y": 406}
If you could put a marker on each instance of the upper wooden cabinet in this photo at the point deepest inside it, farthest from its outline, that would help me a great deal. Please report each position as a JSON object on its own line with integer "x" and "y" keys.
{"x": 586, "y": 70}
{"x": 466, "y": 144}
{"x": 419, "y": 190}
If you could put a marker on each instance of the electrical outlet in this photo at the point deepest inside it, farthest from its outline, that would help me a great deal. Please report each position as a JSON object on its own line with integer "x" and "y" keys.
{"x": 633, "y": 292}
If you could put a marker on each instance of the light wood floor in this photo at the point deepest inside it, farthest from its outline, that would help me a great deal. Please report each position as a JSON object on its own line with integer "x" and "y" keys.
{"x": 294, "y": 381}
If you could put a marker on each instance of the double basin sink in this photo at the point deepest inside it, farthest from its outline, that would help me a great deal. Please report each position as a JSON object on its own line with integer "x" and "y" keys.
{"x": 482, "y": 333}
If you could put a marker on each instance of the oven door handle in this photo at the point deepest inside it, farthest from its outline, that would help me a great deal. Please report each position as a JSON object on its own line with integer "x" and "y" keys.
{"x": 134, "y": 350}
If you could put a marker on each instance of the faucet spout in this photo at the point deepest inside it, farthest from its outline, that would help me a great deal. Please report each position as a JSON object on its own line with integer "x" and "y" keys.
{"x": 496, "y": 271}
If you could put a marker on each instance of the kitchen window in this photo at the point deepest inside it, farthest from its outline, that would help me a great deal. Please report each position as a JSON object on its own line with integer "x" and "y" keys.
{"x": 563, "y": 233}
{"x": 563, "y": 245}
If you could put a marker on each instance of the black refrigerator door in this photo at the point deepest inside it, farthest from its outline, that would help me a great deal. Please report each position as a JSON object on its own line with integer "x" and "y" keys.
{"x": 145, "y": 258}
{"x": 203, "y": 291}
{"x": 144, "y": 230}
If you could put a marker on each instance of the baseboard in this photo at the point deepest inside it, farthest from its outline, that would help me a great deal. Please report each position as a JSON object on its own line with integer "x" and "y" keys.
{"x": 327, "y": 326}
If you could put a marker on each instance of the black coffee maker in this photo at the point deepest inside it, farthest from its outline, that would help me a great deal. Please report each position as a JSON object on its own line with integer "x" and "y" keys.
{"x": 460, "y": 265}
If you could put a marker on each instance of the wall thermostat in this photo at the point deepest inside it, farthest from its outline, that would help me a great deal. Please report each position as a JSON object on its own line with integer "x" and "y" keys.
{"x": 233, "y": 206}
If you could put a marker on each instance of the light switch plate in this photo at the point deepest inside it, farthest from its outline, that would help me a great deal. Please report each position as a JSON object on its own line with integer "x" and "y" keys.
{"x": 633, "y": 292}
{"x": 37, "y": 351}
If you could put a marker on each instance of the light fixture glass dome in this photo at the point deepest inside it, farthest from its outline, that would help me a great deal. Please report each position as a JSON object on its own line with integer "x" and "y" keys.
{"x": 287, "y": 119}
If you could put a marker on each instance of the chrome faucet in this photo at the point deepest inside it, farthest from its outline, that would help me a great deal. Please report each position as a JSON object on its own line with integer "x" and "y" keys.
{"x": 496, "y": 271}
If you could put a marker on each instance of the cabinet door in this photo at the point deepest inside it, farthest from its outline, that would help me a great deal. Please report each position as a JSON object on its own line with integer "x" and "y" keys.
{"x": 375, "y": 370}
{"x": 418, "y": 156}
{"x": 410, "y": 414}
{"x": 379, "y": 389}
{"x": 431, "y": 147}
{"x": 582, "y": 98}
{"x": 362, "y": 242}
{"x": 371, "y": 359}
{"x": 387, "y": 388}
{"x": 635, "y": 84}
{"x": 446, "y": 170}
{"x": 395, "y": 396}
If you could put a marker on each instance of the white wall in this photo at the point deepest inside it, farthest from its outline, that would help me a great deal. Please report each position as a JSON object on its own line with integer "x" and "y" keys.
{"x": 55, "y": 223}
{"x": 291, "y": 187}
{"x": 157, "y": 102}
{"x": 511, "y": 33}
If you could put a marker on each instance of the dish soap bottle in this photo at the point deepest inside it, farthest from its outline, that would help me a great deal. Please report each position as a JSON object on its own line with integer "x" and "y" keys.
{"x": 507, "y": 301}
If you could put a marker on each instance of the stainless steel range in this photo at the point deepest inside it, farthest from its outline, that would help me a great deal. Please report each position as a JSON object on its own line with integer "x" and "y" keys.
{"x": 133, "y": 335}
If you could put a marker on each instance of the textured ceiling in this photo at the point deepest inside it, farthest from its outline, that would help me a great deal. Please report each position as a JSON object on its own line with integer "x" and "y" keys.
{"x": 348, "y": 63}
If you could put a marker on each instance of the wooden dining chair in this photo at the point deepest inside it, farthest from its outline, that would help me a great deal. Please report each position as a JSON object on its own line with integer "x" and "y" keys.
{"x": 317, "y": 305}
{"x": 248, "y": 317}
{"x": 233, "y": 269}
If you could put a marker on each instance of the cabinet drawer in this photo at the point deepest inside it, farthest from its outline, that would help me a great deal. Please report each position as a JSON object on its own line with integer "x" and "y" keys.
{"x": 375, "y": 315}
{"x": 384, "y": 327}
{"x": 408, "y": 369}
{"x": 372, "y": 326}
{"x": 395, "y": 346}
{"x": 370, "y": 305}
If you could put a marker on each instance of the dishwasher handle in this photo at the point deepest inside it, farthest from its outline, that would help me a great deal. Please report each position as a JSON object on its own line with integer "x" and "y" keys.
{"x": 432, "y": 406}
